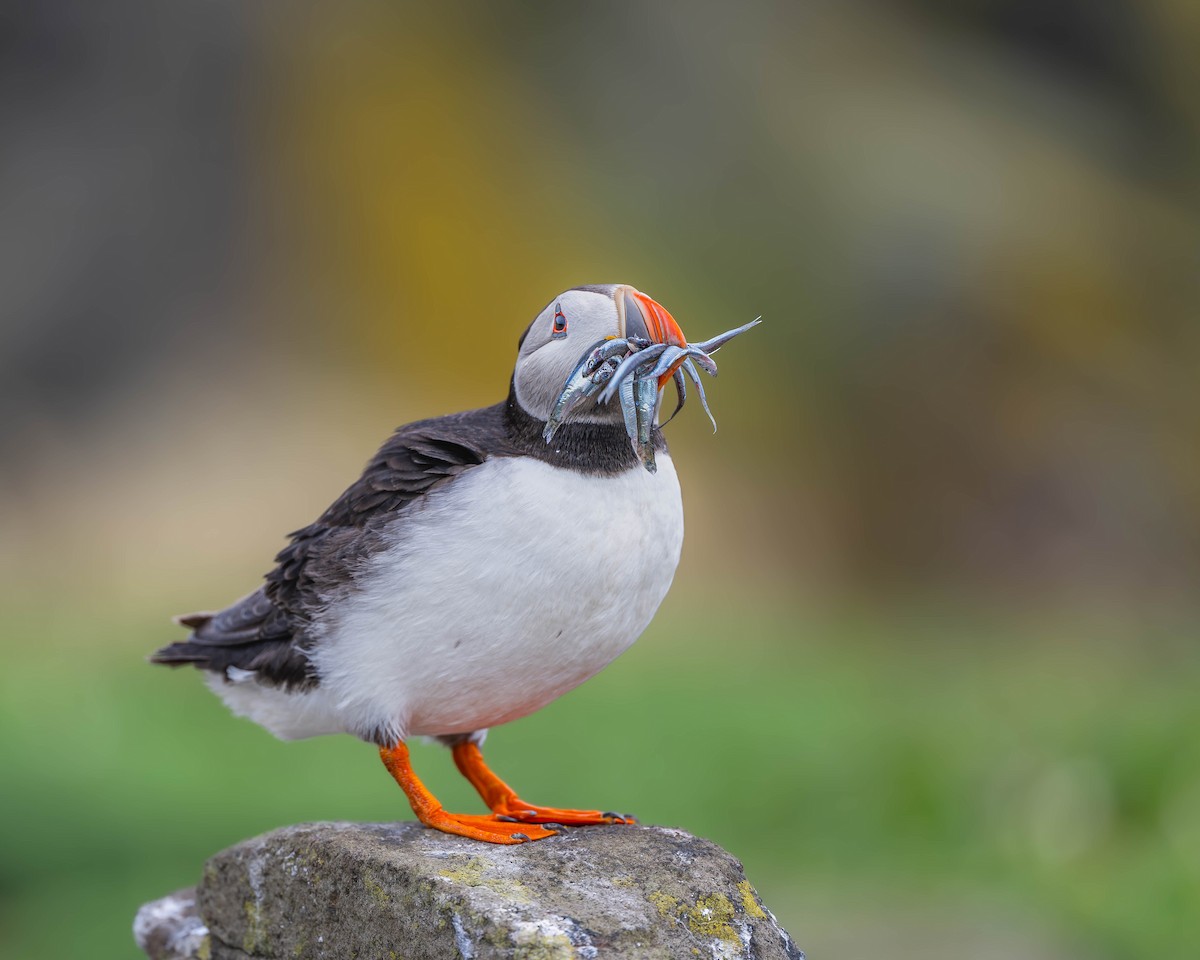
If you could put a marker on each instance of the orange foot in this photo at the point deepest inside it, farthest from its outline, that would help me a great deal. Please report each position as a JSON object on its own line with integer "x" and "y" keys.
{"x": 490, "y": 829}
{"x": 507, "y": 806}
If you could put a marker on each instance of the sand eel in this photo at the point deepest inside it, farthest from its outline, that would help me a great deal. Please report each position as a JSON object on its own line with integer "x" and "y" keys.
{"x": 484, "y": 564}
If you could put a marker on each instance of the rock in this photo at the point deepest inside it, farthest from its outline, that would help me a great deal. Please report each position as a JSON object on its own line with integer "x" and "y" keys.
{"x": 171, "y": 928}
{"x": 399, "y": 890}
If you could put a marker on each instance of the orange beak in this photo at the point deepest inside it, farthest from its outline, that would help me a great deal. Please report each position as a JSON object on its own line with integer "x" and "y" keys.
{"x": 647, "y": 318}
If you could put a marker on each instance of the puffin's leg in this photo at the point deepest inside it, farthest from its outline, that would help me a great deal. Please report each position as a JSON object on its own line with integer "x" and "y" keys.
{"x": 430, "y": 812}
{"x": 504, "y": 801}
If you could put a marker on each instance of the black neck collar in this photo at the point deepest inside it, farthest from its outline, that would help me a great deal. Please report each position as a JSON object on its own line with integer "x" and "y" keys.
{"x": 597, "y": 448}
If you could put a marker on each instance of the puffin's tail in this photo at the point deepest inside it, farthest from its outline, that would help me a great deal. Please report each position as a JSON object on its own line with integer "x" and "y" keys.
{"x": 251, "y": 636}
{"x": 185, "y": 651}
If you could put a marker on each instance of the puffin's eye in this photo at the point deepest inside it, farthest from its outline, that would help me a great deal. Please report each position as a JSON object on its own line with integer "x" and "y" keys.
{"x": 560, "y": 323}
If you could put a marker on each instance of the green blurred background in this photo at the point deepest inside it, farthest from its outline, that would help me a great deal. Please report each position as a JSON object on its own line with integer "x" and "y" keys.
{"x": 930, "y": 666}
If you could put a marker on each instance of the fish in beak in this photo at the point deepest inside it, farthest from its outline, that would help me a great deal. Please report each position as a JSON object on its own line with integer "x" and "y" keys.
{"x": 648, "y": 352}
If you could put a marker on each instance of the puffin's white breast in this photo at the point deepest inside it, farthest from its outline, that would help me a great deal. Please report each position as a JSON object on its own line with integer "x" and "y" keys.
{"x": 502, "y": 590}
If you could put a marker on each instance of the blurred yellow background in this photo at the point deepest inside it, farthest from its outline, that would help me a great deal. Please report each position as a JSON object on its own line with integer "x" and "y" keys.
{"x": 930, "y": 664}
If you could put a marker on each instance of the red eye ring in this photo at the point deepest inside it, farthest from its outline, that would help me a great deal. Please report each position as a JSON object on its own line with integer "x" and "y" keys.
{"x": 560, "y": 322}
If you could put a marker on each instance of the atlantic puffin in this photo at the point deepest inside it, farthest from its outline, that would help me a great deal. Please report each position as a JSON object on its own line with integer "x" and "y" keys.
{"x": 468, "y": 577}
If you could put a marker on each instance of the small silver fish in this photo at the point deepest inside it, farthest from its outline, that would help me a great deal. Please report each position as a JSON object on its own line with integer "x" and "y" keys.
{"x": 645, "y": 398}
{"x": 629, "y": 364}
{"x": 606, "y": 351}
{"x": 579, "y": 387}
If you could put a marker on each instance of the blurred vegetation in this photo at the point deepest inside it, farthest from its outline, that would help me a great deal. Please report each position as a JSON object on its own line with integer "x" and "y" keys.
{"x": 931, "y": 661}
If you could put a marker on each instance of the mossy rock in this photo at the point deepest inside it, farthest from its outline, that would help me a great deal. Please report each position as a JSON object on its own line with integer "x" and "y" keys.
{"x": 339, "y": 890}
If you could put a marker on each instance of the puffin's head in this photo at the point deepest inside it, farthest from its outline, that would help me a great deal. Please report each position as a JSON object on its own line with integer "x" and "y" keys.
{"x": 551, "y": 348}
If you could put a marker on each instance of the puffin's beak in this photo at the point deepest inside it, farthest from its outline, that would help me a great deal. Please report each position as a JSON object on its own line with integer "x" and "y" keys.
{"x": 641, "y": 316}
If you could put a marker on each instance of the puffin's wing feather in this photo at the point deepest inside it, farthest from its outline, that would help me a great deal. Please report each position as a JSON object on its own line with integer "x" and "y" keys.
{"x": 253, "y": 635}
{"x": 251, "y": 619}
{"x": 266, "y": 631}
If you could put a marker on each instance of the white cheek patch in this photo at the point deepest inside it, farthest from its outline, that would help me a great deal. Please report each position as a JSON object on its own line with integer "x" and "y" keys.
{"x": 547, "y": 360}
{"x": 540, "y": 376}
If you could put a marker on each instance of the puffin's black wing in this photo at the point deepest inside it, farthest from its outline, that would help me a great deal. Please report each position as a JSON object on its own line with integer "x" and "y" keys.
{"x": 267, "y": 631}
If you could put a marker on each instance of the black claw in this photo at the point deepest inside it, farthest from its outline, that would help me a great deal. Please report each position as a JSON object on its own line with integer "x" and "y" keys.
{"x": 609, "y": 815}
{"x": 506, "y": 819}
{"x": 554, "y": 826}
{"x": 529, "y": 813}
{"x": 519, "y": 836}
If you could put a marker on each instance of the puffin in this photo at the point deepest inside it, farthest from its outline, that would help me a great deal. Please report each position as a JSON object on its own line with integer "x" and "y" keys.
{"x": 484, "y": 564}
